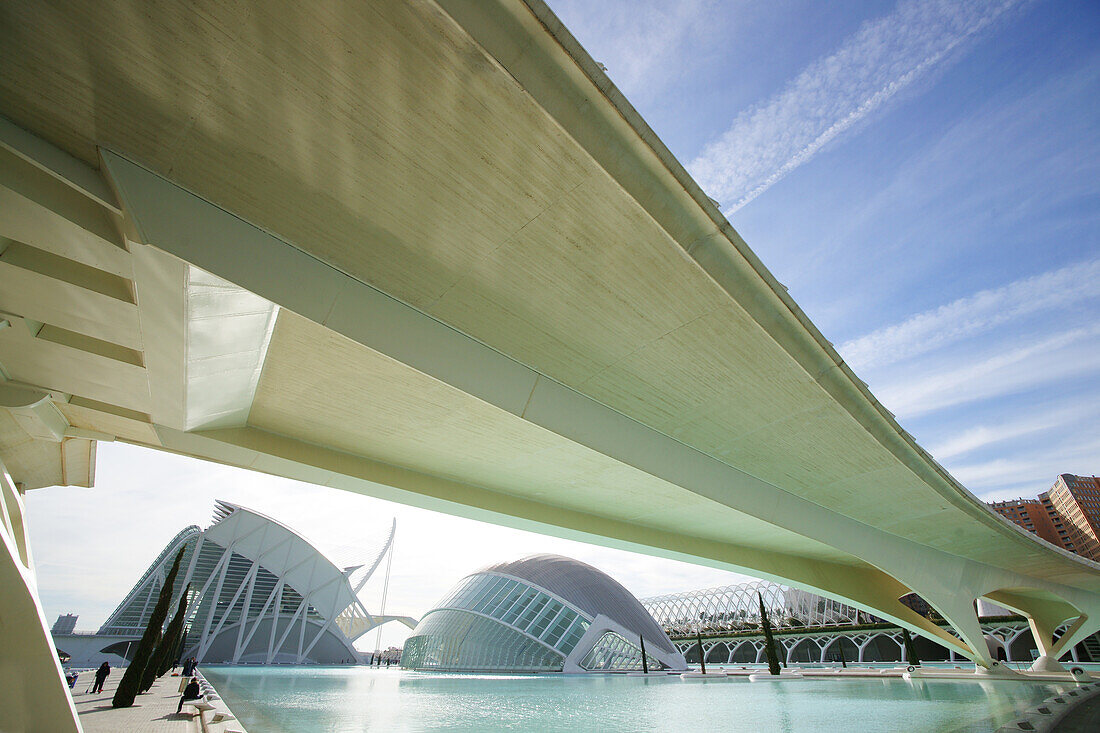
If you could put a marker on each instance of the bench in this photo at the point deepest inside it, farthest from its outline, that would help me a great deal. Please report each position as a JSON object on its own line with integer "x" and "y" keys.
{"x": 200, "y": 705}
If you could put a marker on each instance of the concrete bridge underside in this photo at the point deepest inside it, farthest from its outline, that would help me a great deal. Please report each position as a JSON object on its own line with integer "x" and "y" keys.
{"x": 427, "y": 252}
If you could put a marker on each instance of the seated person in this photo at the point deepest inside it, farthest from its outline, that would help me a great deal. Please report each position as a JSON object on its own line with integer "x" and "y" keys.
{"x": 191, "y": 692}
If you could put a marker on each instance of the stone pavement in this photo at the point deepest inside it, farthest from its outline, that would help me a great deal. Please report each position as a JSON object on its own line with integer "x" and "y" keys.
{"x": 153, "y": 712}
{"x": 1085, "y": 718}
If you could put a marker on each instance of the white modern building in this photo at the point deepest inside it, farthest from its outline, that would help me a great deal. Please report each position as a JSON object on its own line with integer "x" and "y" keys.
{"x": 259, "y": 594}
{"x": 733, "y": 607}
{"x": 543, "y": 613}
{"x": 813, "y": 629}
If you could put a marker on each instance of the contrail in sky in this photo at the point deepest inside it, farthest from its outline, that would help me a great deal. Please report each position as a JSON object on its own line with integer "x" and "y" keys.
{"x": 974, "y": 315}
{"x": 769, "y": 140}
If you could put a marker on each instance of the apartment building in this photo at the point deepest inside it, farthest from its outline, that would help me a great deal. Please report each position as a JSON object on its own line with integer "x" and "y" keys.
{"x": 1067, "y": 516}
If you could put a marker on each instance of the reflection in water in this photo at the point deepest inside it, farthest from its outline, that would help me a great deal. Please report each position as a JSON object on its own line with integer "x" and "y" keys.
{"x": 359, "y": 698}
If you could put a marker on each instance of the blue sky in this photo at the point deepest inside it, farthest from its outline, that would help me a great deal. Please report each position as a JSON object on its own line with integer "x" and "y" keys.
{"x": 923, "y": 176}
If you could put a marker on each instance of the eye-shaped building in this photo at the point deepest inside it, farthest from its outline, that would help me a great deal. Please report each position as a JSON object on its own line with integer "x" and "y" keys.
{"x": 543, "y": 613}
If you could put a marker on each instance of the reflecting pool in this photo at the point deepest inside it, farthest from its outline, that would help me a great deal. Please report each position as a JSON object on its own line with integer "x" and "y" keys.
{"x": 285, "y": 699}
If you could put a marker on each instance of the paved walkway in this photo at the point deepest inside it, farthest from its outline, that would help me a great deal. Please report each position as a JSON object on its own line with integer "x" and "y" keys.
{"x": 153, "y": 712}
{"x": 1085, "y": 718}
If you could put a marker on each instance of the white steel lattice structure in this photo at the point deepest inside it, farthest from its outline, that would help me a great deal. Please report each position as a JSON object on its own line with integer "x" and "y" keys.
{"x": 1010, "y": 641}
{"x": 259, "y": 593}
{"x": 734, "y": 607}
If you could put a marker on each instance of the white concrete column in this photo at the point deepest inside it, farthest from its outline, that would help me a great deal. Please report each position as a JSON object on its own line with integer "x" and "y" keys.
{"x": 35, "y": 694}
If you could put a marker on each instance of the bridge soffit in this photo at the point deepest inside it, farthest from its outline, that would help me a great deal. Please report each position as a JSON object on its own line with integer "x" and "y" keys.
{"x": 159, "y": 209}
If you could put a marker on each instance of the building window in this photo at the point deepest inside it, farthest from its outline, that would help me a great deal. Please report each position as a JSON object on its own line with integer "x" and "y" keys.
{"x": 613, "y": 652}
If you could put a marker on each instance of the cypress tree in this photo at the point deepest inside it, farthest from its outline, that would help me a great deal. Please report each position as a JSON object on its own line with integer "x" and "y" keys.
{"x": 162, "y": 658}
{"x": 143, "y": 685}
{"x": 910, "y": 650}
{"x": 769, "y": 641}
{"x": 131, "y": 680}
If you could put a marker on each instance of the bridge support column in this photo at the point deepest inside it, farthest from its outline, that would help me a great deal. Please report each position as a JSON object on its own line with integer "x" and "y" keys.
{"x": 1044, "y": 615}
{"x": 963, "y": 617}
{"x": 30, "y": 672}
{"x": 1043, "y": 633}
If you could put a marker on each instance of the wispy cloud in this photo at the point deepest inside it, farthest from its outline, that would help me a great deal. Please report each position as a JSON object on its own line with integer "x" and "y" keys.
{"x": 642, "y": 42}
{"x": 1026, "y": 475}
{"x": 982, "y": 436}
{"x": 973, "y": 315}
{"x": 829, "y": 97}
{"x": 1010, "y": 370}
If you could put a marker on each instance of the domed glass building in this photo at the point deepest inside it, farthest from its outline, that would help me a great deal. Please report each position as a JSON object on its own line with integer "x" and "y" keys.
{"x": 544, "y": 613}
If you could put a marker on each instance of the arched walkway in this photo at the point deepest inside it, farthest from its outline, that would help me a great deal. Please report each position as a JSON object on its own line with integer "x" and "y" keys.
{"x": 881, "y": 648}
{"x": 719, "y": 653}
{"x": 745, "y": 653}
{"x": 803, "y": 650}
{"x": 831, "y": 652}
{"x": 930, "y": 651}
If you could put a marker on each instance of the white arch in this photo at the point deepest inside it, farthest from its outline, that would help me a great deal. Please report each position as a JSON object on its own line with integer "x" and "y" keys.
{"x": 736, "y": 607}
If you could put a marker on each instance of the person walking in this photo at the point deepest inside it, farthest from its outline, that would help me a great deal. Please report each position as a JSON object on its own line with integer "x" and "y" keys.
{"x": 101, "y": 677}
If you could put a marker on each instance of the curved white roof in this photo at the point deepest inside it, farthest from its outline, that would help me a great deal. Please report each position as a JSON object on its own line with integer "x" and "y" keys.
{"x": 284, "y": 553}
{"x": 733, "y": 605}
{"x": 589, "y": 589}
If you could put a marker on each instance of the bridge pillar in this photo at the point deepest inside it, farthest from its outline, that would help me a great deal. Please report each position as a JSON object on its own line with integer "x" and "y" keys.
{"x": 961, "y": 614}
{"x": 30, "y": 672}
{"x": 1045, "y": 613}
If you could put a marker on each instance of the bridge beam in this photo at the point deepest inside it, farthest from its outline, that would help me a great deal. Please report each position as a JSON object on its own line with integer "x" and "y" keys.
{"x": 184, "y": 225}
{"x": 867, "y": 587}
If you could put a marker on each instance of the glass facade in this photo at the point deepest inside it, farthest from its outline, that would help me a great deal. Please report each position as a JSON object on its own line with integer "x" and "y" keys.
{"x": 133, "y": 615}
{"x": 613, "y": 653}
{"x": 259, "y": 593}
{"x": 490, "y": 622}
{"x": 459, "y": 641}
{"x": 737, "y": 607}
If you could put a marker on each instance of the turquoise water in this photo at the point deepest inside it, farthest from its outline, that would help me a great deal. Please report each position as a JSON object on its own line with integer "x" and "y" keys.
{"x": 339, "y": 699}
